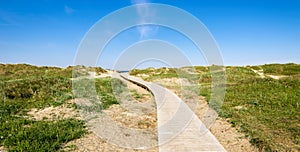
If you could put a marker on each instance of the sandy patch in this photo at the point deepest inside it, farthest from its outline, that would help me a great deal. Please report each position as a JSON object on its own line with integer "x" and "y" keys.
{"x": 277, "y": 77}
{"x": 2, "y": 149}
{"x": 93, "y": 75}
{"x": 262, "y": 75}
{"x": 102, "y": 75}
{"x": 259, "y": 72}
{"x": 92, "y": 143}
{"x": 189, "y": 70}
{"x": 131, "y": 119}
{"x": 240, "y": 107}
{"x": 173, "y": 81}
{"x": 123, "y": 117}
{"x": 230, "y": 138}
{"x": 53, "y": 113}
{"x": 142, "y": 75}
{"x": 145, "y": 94}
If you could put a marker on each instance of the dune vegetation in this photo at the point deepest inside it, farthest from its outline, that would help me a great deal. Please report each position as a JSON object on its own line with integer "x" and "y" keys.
{"x": 265, "y": 106}
{"x": 261, "y": 101}
{"x": 23, "y": 88}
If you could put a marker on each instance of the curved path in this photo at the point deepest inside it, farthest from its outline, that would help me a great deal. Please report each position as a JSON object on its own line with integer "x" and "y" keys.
{"x": 179, "y": 129}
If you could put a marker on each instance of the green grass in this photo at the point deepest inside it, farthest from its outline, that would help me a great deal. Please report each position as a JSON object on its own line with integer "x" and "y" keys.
{"x": 104, "y": 89}
{"x": 18, "y": 133}
{"x": 270, "y": 108}
{"x": 266, "y": 110}
{"x": 108, "y": 89}
{"x": 23, "y": 87}
{"x": 155, "y": 73}
{"x": 281, "y": 69}
{"x": 136, "y": 95}
{"x": 83, "y": 71}
{"x": 21, "y": 71}
{"x": 270, "y": 112}
{"x": 161, "y": 73}
{"x": 39, "y": 90}
{"x": 24, "y": 135}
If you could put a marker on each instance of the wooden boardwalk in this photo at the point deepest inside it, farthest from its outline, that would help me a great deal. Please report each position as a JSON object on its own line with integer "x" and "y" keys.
{"x": 179, "y": 129}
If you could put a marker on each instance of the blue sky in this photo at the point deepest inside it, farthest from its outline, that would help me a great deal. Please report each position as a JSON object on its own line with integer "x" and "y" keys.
{"x": 248, "y": 32}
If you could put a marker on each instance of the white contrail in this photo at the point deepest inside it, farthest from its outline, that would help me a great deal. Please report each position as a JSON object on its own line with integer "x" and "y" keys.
{"x": 144, "y": 12}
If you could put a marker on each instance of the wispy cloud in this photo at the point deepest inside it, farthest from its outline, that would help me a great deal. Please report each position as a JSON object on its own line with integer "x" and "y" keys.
{"x": 139, "y": 1}
{"x": 144, "y": 13}
{"x": 69, "y": 10}
{"x": 147, "y": 30}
